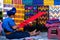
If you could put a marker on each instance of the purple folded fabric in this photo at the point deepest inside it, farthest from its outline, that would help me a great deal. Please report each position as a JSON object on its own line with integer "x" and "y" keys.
{"x": 52, "y": 25}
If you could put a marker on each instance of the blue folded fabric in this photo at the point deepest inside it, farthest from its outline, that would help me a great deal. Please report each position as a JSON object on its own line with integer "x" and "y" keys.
{"x": 28, "y": 7}
{"x": 56, "y": 2}
{"x": 37, "y": 2}
{"x": 27, "y": 2}
{"x": 35, "y": 8}
{"x": 29, "y": 14}
{"x": 53, "y": 21}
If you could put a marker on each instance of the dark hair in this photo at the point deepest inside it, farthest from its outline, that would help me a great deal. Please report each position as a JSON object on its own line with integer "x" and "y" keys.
{"x": 11, "y": 12}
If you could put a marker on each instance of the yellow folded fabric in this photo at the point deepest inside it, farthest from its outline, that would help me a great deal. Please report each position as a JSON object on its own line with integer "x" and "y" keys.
{"x": 49, "y": 2}
{"x": 7, "y": 1}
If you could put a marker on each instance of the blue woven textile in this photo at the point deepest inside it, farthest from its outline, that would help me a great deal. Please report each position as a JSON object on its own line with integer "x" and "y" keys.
{"x": 27, "y": 2}
{"x": 37, "y": 2}
{"x": 53, "y": 21}
{"x": 56, "y": 2}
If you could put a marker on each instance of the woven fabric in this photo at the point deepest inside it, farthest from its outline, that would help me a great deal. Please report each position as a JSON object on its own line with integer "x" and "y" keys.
{"x": 54, "y": 12}
{"x": 19, "y": 16}
{"x": 7, "y": 1}
{"x": 5, "y": 9}
{"x": 56, "y": 2}
{"x": 29, "y": 12}
{"x": 49, "y": 2}
{"x": 27, "y": 2}
{"x": 37, "y": 2}
{"x": 17, "y": 1}
{"x": 43, "y": 18}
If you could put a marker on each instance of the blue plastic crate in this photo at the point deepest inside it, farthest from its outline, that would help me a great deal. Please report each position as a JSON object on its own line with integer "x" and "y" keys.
{"x": 37, "y": 2}
{"x": 56, "y": 2}
{"x": 27, "y": 2}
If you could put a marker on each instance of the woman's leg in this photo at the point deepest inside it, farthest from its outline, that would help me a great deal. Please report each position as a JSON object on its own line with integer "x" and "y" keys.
{"x": 17, "y": 35}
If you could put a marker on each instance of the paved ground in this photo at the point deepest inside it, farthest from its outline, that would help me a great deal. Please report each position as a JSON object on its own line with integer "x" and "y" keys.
{"x": 42, "y": 36}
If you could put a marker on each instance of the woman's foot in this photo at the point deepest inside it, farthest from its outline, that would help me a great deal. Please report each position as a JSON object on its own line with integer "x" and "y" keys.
{"x": 34, "y": 33}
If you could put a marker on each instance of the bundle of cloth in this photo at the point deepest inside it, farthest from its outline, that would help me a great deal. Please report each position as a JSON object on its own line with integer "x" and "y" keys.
{"x": 52, "y": 22}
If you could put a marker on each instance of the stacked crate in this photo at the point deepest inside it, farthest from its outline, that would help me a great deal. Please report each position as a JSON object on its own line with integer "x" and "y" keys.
{"x": 49, "y": 2}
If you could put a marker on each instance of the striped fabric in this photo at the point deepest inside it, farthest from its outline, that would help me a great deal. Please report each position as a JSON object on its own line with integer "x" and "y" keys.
{"x": 21, "y": 12}
{"x": 29, "y": 12}
{"x": 38, "y": 2}
{"x": 19, "y": 16}
{"x": 54, "y": 11}
{"x": 49, "y": 2}
{"x": 56, "y": 2}
{"x": 7, "y": 1}
{"x": 43, "y": 18}
{"x": 17, "y": 1}
{"x": 5, "y": 9}
{"x": 27, "y": 2}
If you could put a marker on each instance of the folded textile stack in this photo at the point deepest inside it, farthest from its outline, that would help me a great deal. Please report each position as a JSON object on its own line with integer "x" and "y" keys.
{"x": 54, "y": 12}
